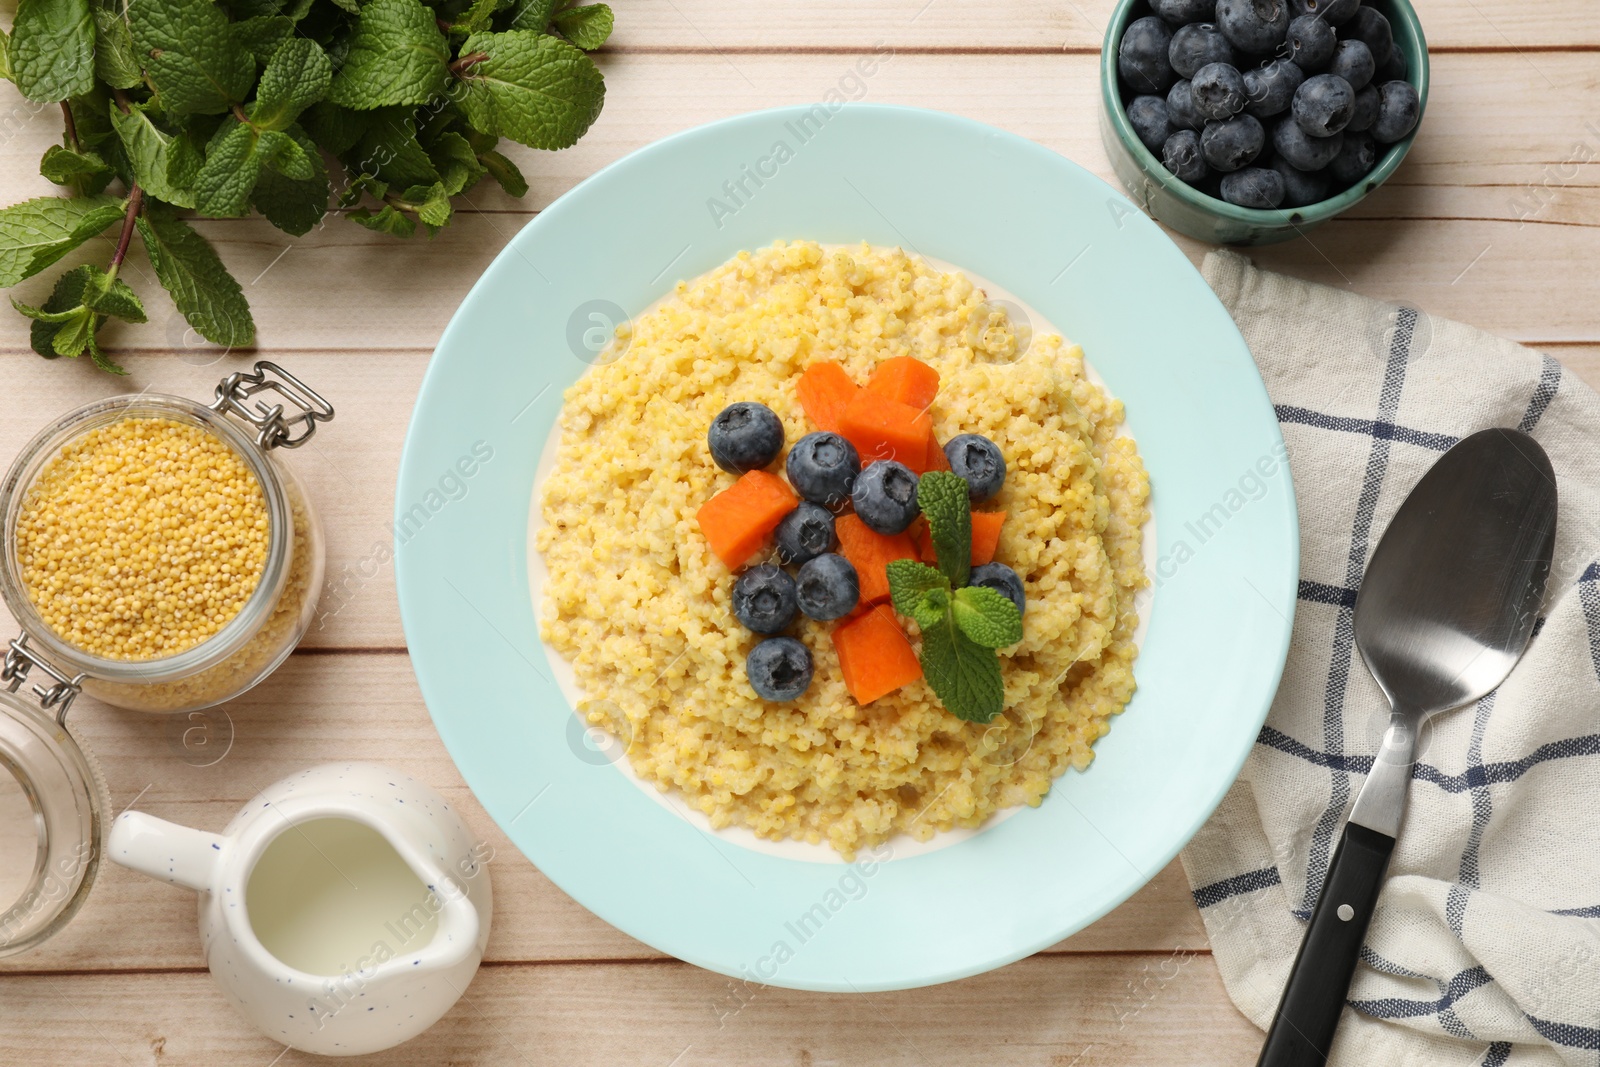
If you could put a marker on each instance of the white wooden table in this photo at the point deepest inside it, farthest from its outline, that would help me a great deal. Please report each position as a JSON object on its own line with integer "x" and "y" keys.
{"x": 1494, "y": 220}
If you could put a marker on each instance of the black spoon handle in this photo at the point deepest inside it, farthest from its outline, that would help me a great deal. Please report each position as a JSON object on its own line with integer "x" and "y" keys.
{"x": 1302, "y": 1029}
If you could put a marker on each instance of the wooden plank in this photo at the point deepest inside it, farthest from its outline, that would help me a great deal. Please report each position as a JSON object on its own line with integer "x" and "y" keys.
{"x": 1499, "y": 153}
{"x": 1062, "y": 1011}
{"x": 1079, "y": 24}
{"x": 199, "y": 770}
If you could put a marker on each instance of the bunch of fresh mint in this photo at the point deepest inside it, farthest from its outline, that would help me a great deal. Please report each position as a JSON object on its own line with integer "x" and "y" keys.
{"x": 961, "y": 624}
{"x": 224, "y": 107}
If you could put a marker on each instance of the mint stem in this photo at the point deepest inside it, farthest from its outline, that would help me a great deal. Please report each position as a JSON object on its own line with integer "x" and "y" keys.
{"x": 135, "y": 205}
{"x": 464, "y": 63}
{"x": 71, "y": 125}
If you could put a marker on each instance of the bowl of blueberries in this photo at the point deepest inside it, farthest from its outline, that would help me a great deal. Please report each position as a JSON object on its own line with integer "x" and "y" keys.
{"x": 1250, "y": 121}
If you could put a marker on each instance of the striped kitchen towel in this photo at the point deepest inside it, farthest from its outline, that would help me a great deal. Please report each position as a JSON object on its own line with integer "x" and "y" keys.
{"x": 1486, "y": 944}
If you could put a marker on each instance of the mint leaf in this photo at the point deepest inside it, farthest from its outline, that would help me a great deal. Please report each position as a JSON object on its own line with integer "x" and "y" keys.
{"x": 455, "y": 161}
{"x": 530, "y": 15}
{"x": 389, "y": 150}
{"x": 431, "y": 203}
{"x": 201, "y": 287}
{"x": 5, "y": 57}
{"x": 397, "y": 56}
{"x": 262, "y": 36}
{"x": 52, "y": 49}
{"x": 222, "y": 188}
{"x": 911, "y": 585}
{"x": 335, "y": 128}
{"x": 505, "y": 172}
{"x": 530, "y": 87}
{"x": 77, "y": 306}
{"x": 293, "y": 205}
{"x": 193, "y": 62}
{"x": 114, "y": 59}
{"x": 477, "y": 16}
{"x": 987, "y": 617}
{"x": 943, "y": 499}
{"x": 297, "y": 76}
{"x": 964, "y": 674}
{"x": 281, "y": 152}
{"x": 66, "y": 167}
{"x": 36, "y": 233}
{"x": 388, "y": 220}
{"x": 164, "y": 164}
{"x": 587, "y": 26}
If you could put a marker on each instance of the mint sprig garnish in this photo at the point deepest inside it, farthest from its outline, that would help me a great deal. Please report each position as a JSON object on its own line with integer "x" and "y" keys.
{"x": 224, "y": 108}
{"x": 942, "y": 496}
{"x": 961, "y": 625}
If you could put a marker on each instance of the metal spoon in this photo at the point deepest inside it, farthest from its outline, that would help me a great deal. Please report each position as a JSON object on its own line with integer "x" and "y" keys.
{"x": 1445, "y": 611}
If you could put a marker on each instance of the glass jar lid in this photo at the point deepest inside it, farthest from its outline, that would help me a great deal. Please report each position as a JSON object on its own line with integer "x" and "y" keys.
{"x": 52, "y": 804}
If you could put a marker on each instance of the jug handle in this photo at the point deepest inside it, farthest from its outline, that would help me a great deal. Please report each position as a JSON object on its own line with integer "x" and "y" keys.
{"x": 164, "y": 850}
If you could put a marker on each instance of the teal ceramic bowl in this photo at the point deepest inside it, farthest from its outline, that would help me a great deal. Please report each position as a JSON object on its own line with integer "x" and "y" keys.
{"x": 1225, "y": 543}
{"x": 1188, "y": 210}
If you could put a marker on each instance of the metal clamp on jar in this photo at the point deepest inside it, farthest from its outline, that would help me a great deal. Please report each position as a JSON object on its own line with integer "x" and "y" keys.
{"x": 159, "y": 558}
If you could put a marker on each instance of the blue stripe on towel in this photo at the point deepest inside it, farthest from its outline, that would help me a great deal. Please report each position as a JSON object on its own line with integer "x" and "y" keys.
{"x": 1248, "y": 882}
{"x": 1381, "y": 429}
{"x": 1320, "y": 593}
{"x": 1543, "y": 393}
{"x": 1498, "y": 1053}
{"x": 1449, "y": 992}
{"x": 1573, "y": 1036}
{"x": 1589, "y": 597}
{"x": 1481, "y": 774}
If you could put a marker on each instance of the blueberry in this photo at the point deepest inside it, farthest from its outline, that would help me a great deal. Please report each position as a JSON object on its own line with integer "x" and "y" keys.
{"x": 745, "y": 436}
{"x": 1357, "y": 156}
{"x": 805, "y": 533}
{"x": 1369, "y": 27}
{"x": 1253, "y": 26}
{"x": 1230, "y": 145}
{"x": 1148, "y": 114}
{"x": 1180, "y": 107}
{"x": 1142, "y": 56}
{"x": 1352, "y": 61}
{"x": 1181, "y": 155}
{"x": 1195, "y": 45}
{"x": 1311, "y": 43}
{"x": 1323, "y": 105}
{"x": 885, "y": 496}
{"x": 1218, "y": 91}
{"x": 1180, "y": 12}
{"x": 1269, "y": 88}
{"x": 1003, "y": 580}
{"x": 1300, "y": 187}
{"x": 978, "y": 460}
{"x": 1395, "y": 68}
{"x": 1300, "y": 148}
{"x": 1365, "y": 110}
{"x": 764, "y": 598}
{"x": 1399, "y": 108}
{"x": 823, "y": 467}
{"x": 827, "y": 587}
{"x": 1253, "y": 187}
{"x": 1333, "y": 12}
{"x": 779, "y": 668}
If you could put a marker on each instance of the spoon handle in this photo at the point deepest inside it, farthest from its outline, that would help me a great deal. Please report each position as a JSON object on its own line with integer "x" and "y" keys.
{"x": 1302, "y": 1029}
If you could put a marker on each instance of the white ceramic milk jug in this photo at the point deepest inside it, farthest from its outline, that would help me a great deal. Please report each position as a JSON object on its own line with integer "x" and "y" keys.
{"x": 343, "y": 910}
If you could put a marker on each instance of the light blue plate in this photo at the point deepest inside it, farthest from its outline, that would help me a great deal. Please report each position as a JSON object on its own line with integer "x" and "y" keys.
{"x": 1007, "y": 209}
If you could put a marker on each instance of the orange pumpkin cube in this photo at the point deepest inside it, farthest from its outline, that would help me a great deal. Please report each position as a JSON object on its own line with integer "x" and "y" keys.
{"x": 737, "y": 520}
{"x": 875, "y": 655}
{"x": 825, "y": 389}
{"x": 870, "y": 553}
{"x": 881, "y": 428}
{"x": 904, "y": 379}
